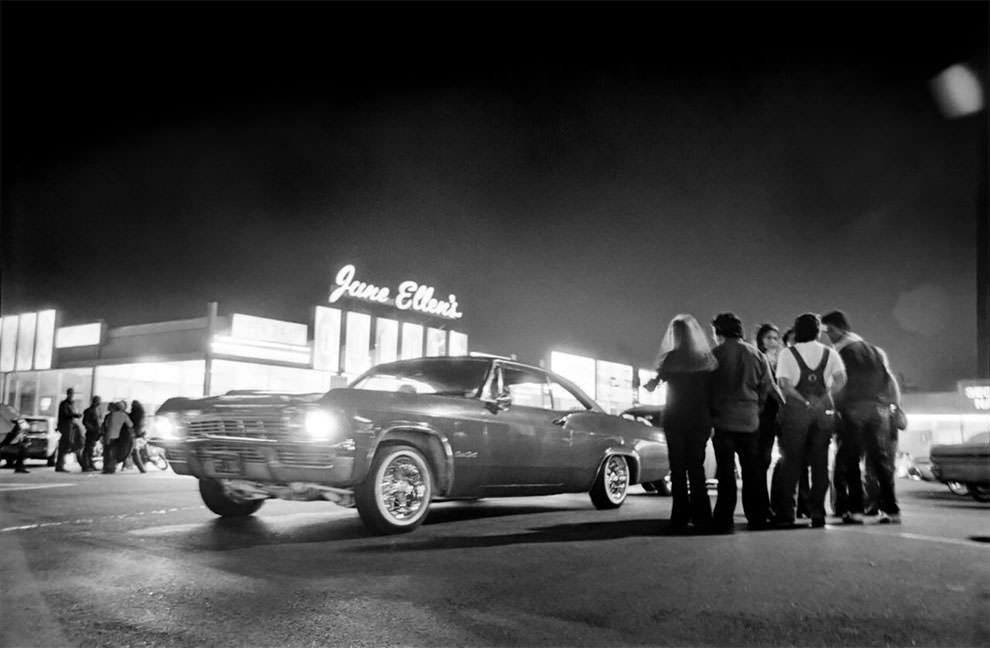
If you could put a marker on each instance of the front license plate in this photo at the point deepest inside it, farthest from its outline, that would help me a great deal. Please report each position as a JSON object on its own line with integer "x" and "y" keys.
{"x": 227, "y": 464}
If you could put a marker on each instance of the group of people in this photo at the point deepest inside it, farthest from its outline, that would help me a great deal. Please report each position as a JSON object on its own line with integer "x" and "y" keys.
{"x": 790, "y": 389}
{"x": 117, "y": 430}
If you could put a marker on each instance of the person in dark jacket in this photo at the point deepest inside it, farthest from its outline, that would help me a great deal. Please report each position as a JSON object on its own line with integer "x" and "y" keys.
{"x": 66, "y": 426}
{"x": 807, "y": 372}
{"x": 740, "y": 387}
{"x": 91, "y": 421}
{"x": 128, "y": 436}
{"x": 867, "y": 432}
{"x": 685, "y": 363}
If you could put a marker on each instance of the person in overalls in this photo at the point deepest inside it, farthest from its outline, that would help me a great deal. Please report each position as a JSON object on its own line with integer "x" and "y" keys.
{"x": 807, "y": 373}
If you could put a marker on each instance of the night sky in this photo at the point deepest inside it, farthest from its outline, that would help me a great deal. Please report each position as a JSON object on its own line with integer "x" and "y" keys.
{"x": 576, "y": 173}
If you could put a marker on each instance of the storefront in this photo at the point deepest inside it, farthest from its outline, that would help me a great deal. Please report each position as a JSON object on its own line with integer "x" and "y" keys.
{"x": 943, "y": 418}
{"x": 362, "y": 325}
{"x": 614, "y": 385}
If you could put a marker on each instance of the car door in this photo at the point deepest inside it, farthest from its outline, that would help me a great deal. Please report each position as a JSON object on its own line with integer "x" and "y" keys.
{"x": 526, "y": 451}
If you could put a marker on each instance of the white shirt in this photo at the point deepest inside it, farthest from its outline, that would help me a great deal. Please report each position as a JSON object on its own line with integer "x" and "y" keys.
{"x": 811, "y": 352}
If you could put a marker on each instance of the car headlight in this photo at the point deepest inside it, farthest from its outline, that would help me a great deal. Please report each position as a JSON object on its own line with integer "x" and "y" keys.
{"x": 321, "y": 425}
{"x": 165, "y": 427}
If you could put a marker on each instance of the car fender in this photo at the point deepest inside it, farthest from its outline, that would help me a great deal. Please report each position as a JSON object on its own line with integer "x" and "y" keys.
{"x": 632, "y": 458}
{"x": 432, "y": 443}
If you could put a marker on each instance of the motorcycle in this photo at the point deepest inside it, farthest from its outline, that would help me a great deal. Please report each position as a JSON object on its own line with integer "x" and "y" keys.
{"x": 151, "y": 454}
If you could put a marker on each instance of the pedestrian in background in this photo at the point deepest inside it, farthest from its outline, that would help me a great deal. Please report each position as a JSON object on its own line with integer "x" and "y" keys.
{"x": 684, "y": 363}
{"x": 137, "y": 419}
{"x": 91, "y": 422}
{"x": 769, "y": 343}
{"x": 807, "y": 419}
{"x": 16, "y": 438}
{"x": 65, "y": 424}
{"x": 739, "y": 390}
{"x": 115, "y": 425}
{"x": 868, "y": 431}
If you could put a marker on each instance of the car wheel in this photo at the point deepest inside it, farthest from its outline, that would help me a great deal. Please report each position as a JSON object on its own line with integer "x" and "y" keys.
{"x": 217, "y": 500}
{"x": 979, "y": 493}
{"x": 957, "y": 488}
{"x": 160, "y": 462}
{"x": 612, "y": 483}
{"x": 395, "y": 496}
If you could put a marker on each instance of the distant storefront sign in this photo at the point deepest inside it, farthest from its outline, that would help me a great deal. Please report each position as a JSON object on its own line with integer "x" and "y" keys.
{"x": 976, "y": 392}
{"x": 410, "y": 295}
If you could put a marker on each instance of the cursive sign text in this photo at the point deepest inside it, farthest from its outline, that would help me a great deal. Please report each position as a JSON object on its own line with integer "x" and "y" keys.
{"x": 410, "y": 295}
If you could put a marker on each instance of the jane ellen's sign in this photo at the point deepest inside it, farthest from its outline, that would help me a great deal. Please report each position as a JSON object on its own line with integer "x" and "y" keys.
{"x": 410, "y": 295}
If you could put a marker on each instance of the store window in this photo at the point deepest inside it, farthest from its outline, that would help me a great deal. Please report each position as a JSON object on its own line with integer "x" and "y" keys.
{"x": 412, "y": 341}
{"x": 614, "y": 390}
{"x": 564, "y": 399}
{"x": 38, "y": 393}
{"x": 658, "y": 396}
{"x": 436, "y": 342}
{"x": 357, "y": 358}
{"x": 52, "y": 386}
{"x": 386, "y": 340}
{"x": 151, "y": 383}
{"x": 458, "y": 343}
{"x": 527, "y": 388}
{"x": 228, "y": 375}
{"x": 580, "y": 370}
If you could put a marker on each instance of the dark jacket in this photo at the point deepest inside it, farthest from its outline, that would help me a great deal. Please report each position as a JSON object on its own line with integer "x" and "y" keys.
{"x": 739, "y": 387}
{"x": 66, "y": 412}
{"x": 867, "y": 380}
{"x": 91, "y": 421}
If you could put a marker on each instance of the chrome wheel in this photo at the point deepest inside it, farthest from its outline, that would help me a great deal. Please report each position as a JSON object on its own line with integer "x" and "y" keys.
{"x": 616, "y": 478}
{"x": 395, "y": 497}
{"x": 402, "y": 488}
{"x": 612, "y": 484}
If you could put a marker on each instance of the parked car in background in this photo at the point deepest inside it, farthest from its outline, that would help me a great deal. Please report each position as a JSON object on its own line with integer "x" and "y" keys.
{"x": 406, "y": 433}
{"x": 967, "y": 464}
{"x": 42, "y": 438}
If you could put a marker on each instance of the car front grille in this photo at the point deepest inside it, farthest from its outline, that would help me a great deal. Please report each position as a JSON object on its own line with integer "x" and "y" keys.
{"x": 306, "y": 456}
{"x": 246, "y": 453}
{"x": 251, "y": 426}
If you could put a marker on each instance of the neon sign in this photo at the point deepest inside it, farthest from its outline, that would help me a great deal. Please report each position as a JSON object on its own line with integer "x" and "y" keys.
{"x": 409, "y": 296}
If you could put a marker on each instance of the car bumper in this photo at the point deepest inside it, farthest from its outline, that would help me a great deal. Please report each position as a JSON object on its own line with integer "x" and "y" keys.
{"x": 261, "y": 461}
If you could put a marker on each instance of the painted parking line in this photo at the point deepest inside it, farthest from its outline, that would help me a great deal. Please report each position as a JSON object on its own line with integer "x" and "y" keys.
{"x": 22, "y": 487}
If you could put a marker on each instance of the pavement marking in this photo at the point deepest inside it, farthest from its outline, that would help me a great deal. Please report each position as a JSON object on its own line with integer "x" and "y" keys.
{"x": 912, "y": 536}
{"x": 123, "y": 516}
{"x": 21, "y": 487}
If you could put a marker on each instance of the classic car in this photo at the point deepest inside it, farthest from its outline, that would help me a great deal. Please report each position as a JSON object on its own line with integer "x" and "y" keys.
{"x": 967, "y": 464}
{"x": 42, "y": 438}
{"x": 406, "y": 433}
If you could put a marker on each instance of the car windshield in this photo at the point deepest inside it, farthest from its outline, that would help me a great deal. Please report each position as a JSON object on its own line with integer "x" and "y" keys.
{"x": 441, "y": 376}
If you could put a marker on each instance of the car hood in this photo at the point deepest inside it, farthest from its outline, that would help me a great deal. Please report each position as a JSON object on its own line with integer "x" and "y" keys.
{"x": 237, "y": 401}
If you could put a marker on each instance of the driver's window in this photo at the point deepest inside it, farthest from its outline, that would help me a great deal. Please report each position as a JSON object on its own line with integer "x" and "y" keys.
{"x": 564, "y": 398}
{"x": 527, "y": 388}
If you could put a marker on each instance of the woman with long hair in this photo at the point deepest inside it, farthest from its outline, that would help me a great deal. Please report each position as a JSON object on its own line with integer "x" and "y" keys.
{"x": 685, "y": 363}
{"x": 769, "y": 344}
